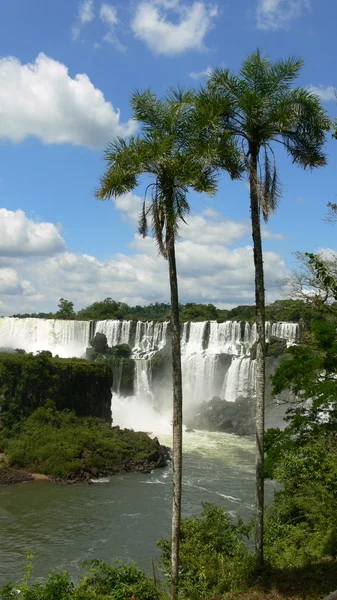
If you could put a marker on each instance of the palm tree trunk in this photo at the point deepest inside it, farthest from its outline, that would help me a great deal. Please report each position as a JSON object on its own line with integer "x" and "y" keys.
{"x": 260, "y": 353}
{"x": 177, "y": 416}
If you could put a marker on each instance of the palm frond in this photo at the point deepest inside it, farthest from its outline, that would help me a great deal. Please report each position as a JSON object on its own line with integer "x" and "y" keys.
{"x": 143, "y": 225}
{"x": 304, "y": 132}
{"x": 270, "y": 187}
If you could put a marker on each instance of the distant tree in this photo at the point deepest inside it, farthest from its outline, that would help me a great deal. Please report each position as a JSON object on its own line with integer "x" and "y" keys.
{"x": 65, "y": 309}
{"x": 106, "y": 309}
{"x": 199, "y": 312}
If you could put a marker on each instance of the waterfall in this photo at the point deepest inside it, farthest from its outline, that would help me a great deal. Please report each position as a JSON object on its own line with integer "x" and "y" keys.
{"x": 215, "y": 356}
{"x": 65, "y": 338}
{"x": 226, "y": 338}
{"x": 240, "y": 379}
{"x": 117, "y": 332}
{"x": 143, "y": 379}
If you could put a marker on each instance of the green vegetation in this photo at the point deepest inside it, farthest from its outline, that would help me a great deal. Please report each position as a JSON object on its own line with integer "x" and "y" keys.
{"x": 63, "y": 445}
{"x": 102, "y": 582}
{"x": 280, "y": 310}
{"x": 28, "y": 382}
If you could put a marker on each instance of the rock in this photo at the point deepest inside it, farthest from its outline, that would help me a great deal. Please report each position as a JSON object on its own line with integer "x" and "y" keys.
{"x": 189, "y": 430}
{"x": 230, "y": 417}
{"x": 9, "y": 476}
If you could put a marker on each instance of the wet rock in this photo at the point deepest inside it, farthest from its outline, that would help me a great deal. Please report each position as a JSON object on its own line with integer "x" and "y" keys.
{"x": 230, "y": 417}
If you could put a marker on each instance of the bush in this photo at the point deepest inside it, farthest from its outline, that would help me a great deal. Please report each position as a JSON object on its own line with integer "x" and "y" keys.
{"x": 102, "y": 582}
{"x": 214, "y": 557}
{"x": 62, "y": 445}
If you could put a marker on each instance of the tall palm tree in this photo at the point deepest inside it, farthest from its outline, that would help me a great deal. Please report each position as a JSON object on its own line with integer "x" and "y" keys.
{"x": 175, "y": 157}
{"x": 261, "y": 108}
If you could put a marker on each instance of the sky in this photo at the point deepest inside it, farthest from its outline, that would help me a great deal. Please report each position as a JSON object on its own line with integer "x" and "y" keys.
{"x": 67, "y": 70}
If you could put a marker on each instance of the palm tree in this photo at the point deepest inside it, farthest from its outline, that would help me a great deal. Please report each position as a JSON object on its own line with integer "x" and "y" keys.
{"x": 175, "y": 158}
{"x": 261, "y": 108}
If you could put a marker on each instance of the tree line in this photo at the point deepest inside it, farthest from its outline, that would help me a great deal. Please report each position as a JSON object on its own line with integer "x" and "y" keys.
{"x": 292, "y": 310}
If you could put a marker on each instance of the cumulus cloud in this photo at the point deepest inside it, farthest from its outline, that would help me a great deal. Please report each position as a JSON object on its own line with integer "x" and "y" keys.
{"x": 207, "y": 273}
{"x": 108, "y": 15}
{"x": 326, "y": 93}
{"x": 186, "y": 30}
{"x": 200, "y": 74}
{"x": 85, "y": 14}
{"x": 214, "y": 265}
{"x": 278, "y": 14}
{"x": 21, "y": 236}
{"x": 12, "y": 285}
{"x": 42, "y": 100}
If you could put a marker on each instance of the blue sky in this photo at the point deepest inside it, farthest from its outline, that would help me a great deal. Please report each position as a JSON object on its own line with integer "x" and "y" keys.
{"x": 66, "y": 73}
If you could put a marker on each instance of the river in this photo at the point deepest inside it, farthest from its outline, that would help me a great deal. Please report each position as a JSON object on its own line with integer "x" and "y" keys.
{"x": 66, "y": 524}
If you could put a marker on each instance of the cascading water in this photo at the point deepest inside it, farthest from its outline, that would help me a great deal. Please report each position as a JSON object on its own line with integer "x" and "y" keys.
{"x": 239, "y": 379}
{"x": 215, "y": 356}
{"x": 65, "y": 338}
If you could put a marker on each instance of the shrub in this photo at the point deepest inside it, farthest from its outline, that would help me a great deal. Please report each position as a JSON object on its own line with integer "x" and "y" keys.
{"x": 214, "y": 557}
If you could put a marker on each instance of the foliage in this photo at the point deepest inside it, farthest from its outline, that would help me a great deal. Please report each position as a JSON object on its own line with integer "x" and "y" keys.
{"x": 60, "y": 444}
{"x": 65, "y": 309}
{"x": 27, "y": 382}
{"x": 99, "y": 311}
{"x": 174, "y": 153}
{"x": 301, "y": 522}
{"x": 198, "y": 312}
{"x": 121, "y": 583}
{"x": 214, "y": 557}
{"x": 309, "y": 372}
{"x": 260, "y": 106}
{"x": 102, "y": 582}
{"x": 280, "y": 310}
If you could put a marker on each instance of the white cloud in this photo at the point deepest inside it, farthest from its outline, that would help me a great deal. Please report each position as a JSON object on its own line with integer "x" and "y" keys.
{"x": 270, "y": 235}
{"x": 130, "y": 207}
{"x": 85, "y": 14}
{"x": 207, "y": 273}
{"x": 325, "y": 93}
{"x": 12, "y": 285}
{"x": 278, "y": 14}
{"x": 108, "y": 15}
{"x": 210, "y": 268}
{"x": 200, "y": 74}
{"x": 152, "y": 25}
{"x": 20, "y": 236}
{"x": 42, "y": 100}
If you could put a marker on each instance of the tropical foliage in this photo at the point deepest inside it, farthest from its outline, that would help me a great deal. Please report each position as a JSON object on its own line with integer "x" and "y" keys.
{"x": 63, "y": 445}
{"x": 28, "y": 382}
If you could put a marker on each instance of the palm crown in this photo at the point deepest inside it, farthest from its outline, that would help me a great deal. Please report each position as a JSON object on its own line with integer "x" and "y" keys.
{"x": 174, "y": 153}
{"x": 260, "y": 107}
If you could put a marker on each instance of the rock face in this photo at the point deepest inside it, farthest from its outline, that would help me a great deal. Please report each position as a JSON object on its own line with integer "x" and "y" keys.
{"x": 230, "y": 417}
